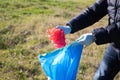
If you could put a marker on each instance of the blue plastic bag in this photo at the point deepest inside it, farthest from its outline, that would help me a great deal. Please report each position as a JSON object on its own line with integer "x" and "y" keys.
{"x": 62, "y": 64}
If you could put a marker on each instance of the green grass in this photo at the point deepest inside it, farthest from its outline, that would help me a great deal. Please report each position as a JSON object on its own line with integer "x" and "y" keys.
{"x": 23, "y": 25}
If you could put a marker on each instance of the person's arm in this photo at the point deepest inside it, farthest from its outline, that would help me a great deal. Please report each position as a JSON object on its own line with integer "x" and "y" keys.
{"x": 108, "y": 34}
{"x": 91, "y": 15}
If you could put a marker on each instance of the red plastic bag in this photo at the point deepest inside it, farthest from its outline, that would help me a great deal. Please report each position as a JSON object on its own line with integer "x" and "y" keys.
{"x": 57, "y": 37}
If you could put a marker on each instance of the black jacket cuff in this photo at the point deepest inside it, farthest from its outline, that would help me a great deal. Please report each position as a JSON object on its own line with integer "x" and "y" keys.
{"x": 101, "y": 36}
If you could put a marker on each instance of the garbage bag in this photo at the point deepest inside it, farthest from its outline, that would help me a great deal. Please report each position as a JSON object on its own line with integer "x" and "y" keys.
{"x": 62, "y": 64}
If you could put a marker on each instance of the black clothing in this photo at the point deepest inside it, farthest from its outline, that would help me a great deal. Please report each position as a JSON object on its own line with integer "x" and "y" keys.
{"x": 108, "y": 34}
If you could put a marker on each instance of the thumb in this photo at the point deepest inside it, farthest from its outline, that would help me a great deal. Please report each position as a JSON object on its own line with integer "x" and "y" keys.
{"x": 81, "y": 39}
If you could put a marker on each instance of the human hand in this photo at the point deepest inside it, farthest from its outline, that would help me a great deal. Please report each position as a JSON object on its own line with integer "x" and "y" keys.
{"x": 86, "y": 39}
{"x": 66, "y": 29}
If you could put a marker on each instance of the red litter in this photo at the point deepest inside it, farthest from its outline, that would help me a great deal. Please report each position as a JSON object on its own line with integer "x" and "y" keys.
{"x": 57, "y": 37}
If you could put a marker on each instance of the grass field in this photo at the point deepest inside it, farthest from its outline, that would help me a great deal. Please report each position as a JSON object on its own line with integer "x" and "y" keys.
{"x": 23, "y": 25}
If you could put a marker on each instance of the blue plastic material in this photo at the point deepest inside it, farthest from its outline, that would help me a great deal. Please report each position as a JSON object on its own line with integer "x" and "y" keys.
{"x": 62, "y": 64}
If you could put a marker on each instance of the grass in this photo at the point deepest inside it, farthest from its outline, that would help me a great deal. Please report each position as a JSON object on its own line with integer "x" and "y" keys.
{"x": 23, "y": 25}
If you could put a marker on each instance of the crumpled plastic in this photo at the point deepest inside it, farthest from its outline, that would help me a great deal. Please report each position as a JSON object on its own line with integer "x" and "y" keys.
{"x": 56, "y": 37}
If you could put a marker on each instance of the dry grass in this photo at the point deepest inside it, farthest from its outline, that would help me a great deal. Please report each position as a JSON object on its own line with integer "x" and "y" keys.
{"x": 27, "y": 38}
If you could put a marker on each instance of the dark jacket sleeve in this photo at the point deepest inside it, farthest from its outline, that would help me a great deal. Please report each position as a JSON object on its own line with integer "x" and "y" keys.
{"x": 88, "y": 17}
{"x": 108, "y": 34}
